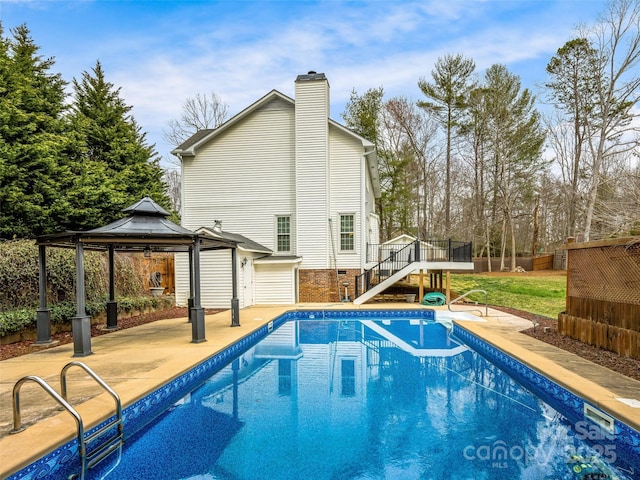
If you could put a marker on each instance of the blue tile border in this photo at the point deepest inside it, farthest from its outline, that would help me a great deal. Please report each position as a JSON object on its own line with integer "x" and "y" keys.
{"x": 136, "y": 416}
{"x": 64, "y": 459}
{"x": 423, "y": 313}
{"x": 626, "y": 439}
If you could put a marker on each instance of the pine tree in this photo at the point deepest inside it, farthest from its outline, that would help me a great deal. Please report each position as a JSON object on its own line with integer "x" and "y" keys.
{"x": 113, "y": 165}
{"x": 448, "y": 94}
{"x": 32, "y": 139}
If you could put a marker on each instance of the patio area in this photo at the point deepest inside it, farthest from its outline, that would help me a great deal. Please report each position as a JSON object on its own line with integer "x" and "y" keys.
{"x": 136, "y": 361}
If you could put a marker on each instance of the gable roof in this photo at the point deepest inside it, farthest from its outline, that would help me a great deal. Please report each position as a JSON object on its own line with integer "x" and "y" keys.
{"x": 189, "y": 147}
{"x": 404, "y": 238}
{"x": 195, "y": 138}
{"x": 201, "y": 137}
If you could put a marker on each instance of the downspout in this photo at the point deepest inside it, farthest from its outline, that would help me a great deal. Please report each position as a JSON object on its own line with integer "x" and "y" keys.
{"x": 364, "y": 238}
{"x": 335, "y": 258}
{"x": 364, "y": 217}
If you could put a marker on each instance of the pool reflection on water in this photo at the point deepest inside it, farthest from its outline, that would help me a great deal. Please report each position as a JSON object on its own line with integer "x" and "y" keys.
{"x": 367, "y": 399}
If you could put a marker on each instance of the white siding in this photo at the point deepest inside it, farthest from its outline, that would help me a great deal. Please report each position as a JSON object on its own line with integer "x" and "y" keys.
{"x": 215, "y": 279}
{"x": 244, "y": 177}
{"x": 374, "y": 229}
{"x": 275, "y": 284}
{"x": 312, "y": 172}
{"x": 182, "y": 278}
{"x": 346, "y": 180}
{"x": 277, "y": 160}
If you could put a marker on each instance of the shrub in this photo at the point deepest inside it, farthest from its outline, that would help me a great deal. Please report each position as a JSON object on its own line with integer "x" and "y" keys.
{"x": 19, "y": 275}
{"x": 16, "y": 320}
{"x": 62, "y": 313}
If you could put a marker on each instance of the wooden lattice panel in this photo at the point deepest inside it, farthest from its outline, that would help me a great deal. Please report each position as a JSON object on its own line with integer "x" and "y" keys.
{"x": 610, "y": 274}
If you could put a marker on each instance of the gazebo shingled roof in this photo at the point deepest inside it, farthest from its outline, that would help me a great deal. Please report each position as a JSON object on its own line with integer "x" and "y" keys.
{"x": 146, "y": 227}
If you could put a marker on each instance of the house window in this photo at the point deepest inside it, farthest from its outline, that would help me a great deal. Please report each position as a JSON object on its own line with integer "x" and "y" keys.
{"x": 348, "y": 378}
{"x": 284, "y": 377}
{"x": 347, "y": 243}
{"x": 283, "y": 228}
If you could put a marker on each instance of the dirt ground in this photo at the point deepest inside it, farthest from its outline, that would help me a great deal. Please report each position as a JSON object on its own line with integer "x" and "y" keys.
{"x": 620, "y": 364}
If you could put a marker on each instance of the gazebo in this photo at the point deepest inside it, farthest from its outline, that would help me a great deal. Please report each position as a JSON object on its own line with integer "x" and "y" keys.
{"x": 145, "y": 229}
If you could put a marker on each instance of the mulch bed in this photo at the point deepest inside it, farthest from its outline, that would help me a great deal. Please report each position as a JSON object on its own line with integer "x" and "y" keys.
{"x": 546, "y": 330}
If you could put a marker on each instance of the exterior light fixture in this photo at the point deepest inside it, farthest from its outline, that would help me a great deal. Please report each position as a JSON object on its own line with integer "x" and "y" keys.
{"x": 147, "y": 252}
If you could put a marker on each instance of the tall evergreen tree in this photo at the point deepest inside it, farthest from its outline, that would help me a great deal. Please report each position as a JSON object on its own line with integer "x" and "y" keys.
{"x": 112, "y": 164}
{"x": 362, "y": 113}
{"x": 32, "y": 139}
{"x": 448, "y": 97}
{"x": 572, "y": 88}
{"x": 515, "y": 144}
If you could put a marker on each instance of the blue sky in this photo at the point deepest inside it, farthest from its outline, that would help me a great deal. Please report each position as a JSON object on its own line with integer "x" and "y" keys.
{"x": 162, "y": 52}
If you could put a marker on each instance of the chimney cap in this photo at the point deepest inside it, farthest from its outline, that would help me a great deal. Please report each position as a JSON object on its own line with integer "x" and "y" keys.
{"x": 310, "y": 76}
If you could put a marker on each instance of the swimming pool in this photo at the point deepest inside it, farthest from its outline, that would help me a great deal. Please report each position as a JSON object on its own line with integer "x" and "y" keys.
{"x": 390, "y": 395}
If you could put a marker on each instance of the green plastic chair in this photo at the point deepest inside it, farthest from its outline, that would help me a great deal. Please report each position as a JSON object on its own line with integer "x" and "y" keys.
{"x": 434, "y": 298}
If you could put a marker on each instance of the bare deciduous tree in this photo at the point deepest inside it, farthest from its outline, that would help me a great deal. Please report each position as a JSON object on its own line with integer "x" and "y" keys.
{"x": 174, "y": 188}
{"x": 616, "y": 37}
{"x": 198, "y": 113}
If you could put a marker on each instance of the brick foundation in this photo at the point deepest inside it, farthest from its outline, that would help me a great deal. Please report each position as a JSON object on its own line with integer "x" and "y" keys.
{"x": 322, "y": 285}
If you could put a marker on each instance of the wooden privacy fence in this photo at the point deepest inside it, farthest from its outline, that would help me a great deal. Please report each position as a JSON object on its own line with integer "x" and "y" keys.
{"x": 164, "y": 264}
{"x": 603, "y": 295}
{"x": 542, "y": 262}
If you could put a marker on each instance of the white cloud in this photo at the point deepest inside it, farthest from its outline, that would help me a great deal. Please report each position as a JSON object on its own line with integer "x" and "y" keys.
{"x": 242, "y": 50}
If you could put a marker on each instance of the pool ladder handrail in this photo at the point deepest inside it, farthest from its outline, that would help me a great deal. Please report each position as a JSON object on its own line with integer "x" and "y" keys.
{"x": 87, "y": 460}
{"x": 486, "y": 302}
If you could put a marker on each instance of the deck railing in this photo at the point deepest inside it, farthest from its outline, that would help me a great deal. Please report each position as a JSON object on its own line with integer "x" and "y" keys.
{"x": 430, "y": 251}
{"x": 392, "y": 258}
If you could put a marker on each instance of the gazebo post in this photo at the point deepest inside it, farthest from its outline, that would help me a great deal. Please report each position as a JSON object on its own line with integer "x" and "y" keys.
{"x": 235, "y": 303}
{"x": 43, "y": 318}
{"x": 81, "y": 324}
{"x": 191, "y": 283}
{"x": 197, "y": 320}
{"x": 112, "y": 305}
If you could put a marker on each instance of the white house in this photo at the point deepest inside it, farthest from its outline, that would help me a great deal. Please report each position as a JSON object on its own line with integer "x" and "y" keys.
{"x": 294, "y": 187}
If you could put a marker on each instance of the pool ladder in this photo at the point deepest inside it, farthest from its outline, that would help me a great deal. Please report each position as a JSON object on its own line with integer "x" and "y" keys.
{"x": 486, "y": 302}
{"x": 106, "y": 447}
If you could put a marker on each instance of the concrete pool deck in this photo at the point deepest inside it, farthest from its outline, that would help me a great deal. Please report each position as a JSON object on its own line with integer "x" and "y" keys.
{"x": 136, "y": 361}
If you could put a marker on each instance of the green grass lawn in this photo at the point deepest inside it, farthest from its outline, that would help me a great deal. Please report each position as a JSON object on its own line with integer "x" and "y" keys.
{"x": 541, "y": 294}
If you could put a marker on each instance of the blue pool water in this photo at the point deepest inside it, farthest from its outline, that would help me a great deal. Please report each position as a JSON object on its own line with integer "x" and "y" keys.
{"x": 366, "y": 399}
